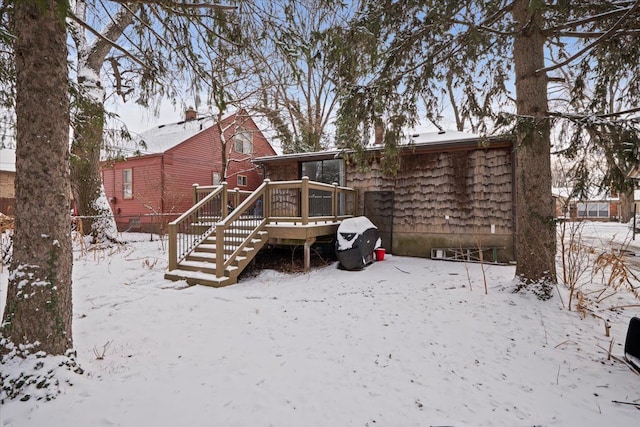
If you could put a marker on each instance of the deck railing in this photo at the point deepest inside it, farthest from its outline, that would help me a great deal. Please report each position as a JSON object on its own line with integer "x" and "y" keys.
{"x": 304, "y": 201}
{"x": 193, "y": 226}
{"x": 237, "y": 216}
{"x": 235, "y": 231}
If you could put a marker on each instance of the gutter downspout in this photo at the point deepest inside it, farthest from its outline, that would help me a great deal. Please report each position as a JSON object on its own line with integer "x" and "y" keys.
{"x": 162, "y": 187}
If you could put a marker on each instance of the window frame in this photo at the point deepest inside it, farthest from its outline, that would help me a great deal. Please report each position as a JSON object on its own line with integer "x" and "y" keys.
{"x": 320, "y": 166}
{"x": 593, "y": 209}
{"x": 127, "y": 184}
{"x": 240, "y": 179}
{"x": 243, "y": 141}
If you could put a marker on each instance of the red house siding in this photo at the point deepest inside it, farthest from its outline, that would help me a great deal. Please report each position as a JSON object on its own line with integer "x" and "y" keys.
{"x": 162, "y": 184}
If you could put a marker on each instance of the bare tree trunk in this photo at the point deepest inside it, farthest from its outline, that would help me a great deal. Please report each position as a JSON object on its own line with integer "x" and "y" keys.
{"x": 454, "y": 104}
{"x": 38, "y": 309}
{"x": 535, "y": 226}
{"x": 85, "y": 164}
{"x": 223, "y": 147}
{"x": 86, "y": 181}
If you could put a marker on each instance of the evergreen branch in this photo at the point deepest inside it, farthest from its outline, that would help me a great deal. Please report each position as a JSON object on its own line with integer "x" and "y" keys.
{"x": 180, "y": 5}
{"x": 608, "y": 34}
{"x": 482, "y": 27}
{"x": 577, "y": 23}
{"x": 498, "y": 14}
{"x": 598, "y": 116}
{"x": 594, "y": 34}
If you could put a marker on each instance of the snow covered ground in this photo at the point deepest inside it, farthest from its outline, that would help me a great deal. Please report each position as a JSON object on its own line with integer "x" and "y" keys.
{"x": 405, "y": 342}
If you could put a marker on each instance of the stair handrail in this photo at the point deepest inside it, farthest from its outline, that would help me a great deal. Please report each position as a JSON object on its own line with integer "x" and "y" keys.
{"x": 191, "y": 241}
{"x": 221, "y": 226}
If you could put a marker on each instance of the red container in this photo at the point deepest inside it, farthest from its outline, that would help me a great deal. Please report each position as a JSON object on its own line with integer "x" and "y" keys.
{"x": 379, "y": 254}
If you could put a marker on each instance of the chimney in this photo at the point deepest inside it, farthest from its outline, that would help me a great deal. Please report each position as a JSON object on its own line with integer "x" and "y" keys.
{"x": 190, "y": 114}
{"x": 379, "y": 129}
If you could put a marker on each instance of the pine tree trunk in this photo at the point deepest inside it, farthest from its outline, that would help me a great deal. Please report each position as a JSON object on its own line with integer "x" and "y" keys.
{"x": 535, "y": 226}
{"x": 627, "y": 202}
{"x": 38, "y": 309}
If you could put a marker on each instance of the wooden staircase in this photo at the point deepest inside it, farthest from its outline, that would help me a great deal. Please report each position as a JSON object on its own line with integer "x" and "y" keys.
{"x": 213, "y": 242}
{"x": 199, "y": 267}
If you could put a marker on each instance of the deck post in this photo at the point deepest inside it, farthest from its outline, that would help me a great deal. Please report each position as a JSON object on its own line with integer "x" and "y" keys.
{"x": 307, "y": 252}
{"x": 219, "y": 250}
{"x": 335, "y": 202}
{"x": 173, "y": 247}
{"x": 305, "y": 200}
{"x": 195, "y": 192}
{"x": 266, "y": 203}
{"x": 236, "y": 197}
{"x": 225, "y": 201}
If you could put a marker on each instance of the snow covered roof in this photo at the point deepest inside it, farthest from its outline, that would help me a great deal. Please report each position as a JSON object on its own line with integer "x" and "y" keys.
{"x": 442, "y": 136}
{"x": 7, "y": 160}
{"x": 164, "y": 137}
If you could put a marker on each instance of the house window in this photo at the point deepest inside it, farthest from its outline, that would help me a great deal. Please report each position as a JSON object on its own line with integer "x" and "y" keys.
{"x": 326, "y": 171}
{"x": 242, "y": 180}
{"x": 243, "y": 142}
{"x": 216, "y": 178}
{"x": 593, "y": 210}
{"x": 127, "y": 184}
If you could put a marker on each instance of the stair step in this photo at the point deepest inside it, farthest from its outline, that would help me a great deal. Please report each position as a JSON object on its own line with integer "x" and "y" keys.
{"x": 208, "y": 267}
{"x": 205, "y": 267}
{"x": 205, "y": 247}
{"x": 202, "y": 256}
{"x": 199, "y": 267}
{"x": 212, "y": 240}
{"x": 199, "y": 278}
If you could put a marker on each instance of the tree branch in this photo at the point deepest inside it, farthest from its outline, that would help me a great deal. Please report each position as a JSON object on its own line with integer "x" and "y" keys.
{"x": 111, "y": 32}
{"x": 109, "y": 42}
{"x": 599, "y": 116}
{"x": 181, "y": 5}
{"x": 593, "y": 18}
{"x": 593, "y": 34}
{"x": 610, "y": 32}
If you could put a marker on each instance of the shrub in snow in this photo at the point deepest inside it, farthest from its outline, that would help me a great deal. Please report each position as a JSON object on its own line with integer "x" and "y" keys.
{"x": 594, "y": 272}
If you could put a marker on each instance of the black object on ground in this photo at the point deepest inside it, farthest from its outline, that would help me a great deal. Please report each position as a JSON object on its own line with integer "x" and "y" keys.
{"x": 632, "y": 343}
{"x": 357, "y": 238}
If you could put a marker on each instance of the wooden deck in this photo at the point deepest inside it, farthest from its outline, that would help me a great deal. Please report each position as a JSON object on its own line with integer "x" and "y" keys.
{"x": 214, "y": 241}
{"x": 301, "y": 232}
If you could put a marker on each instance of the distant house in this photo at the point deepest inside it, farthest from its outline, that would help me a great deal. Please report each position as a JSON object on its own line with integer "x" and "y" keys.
{"x": 7, "y": 181}
{"x": 153, "y": 184}
{"x": 596, "y": 206}
{"x": 454, "y": 193}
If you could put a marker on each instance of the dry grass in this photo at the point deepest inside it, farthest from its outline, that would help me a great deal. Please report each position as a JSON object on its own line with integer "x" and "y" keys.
{"x": 594, "y": 274}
